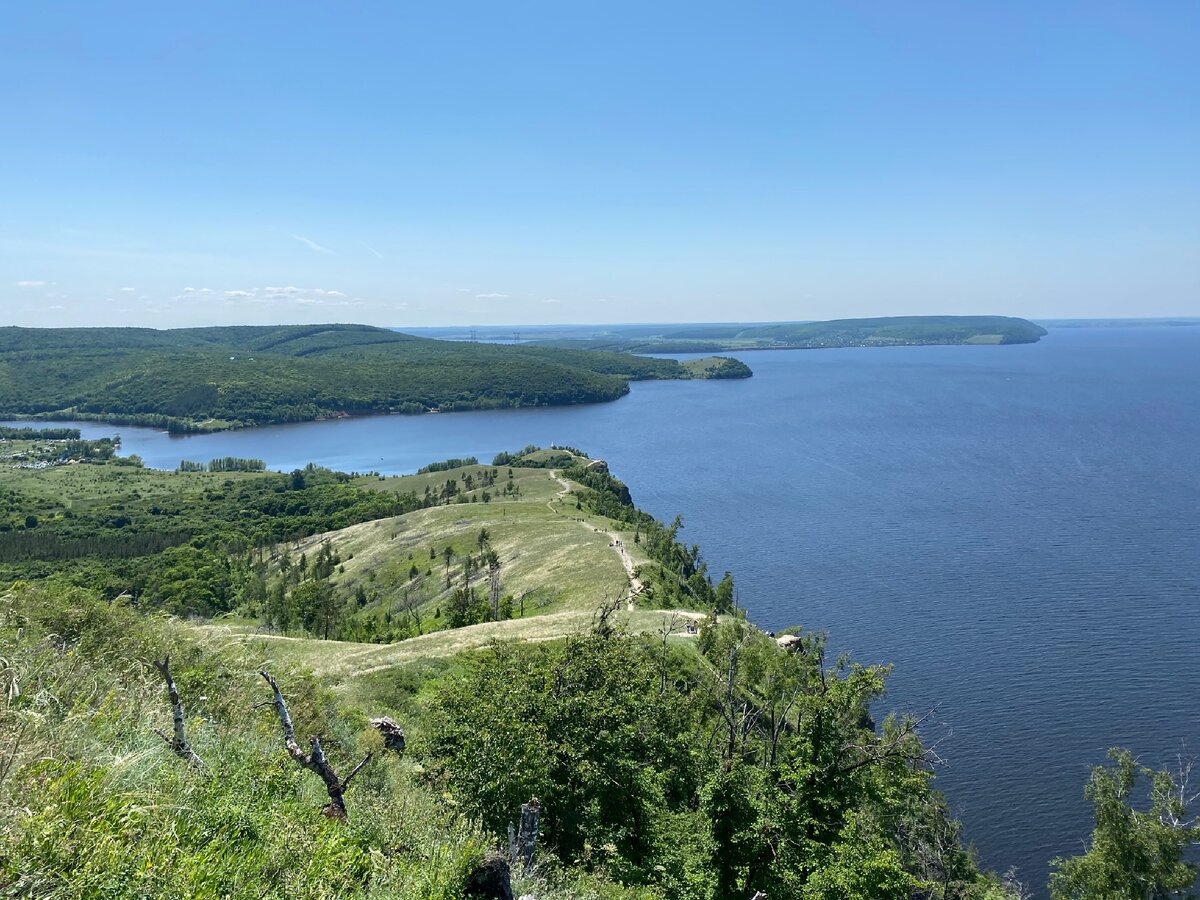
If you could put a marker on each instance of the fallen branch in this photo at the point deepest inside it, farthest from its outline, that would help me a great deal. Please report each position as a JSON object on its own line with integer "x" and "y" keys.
{"x": 314, "y": 760}
{"x": 178, "y": 743}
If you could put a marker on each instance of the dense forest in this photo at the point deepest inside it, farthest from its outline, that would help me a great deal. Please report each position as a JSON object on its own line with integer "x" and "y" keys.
{"x": 208, "y": 378}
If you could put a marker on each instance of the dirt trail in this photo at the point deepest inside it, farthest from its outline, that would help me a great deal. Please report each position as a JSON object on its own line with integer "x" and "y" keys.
{"x": 614, "y": 541}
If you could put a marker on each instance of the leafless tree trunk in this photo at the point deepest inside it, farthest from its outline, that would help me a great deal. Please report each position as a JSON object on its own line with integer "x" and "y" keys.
{"x": 666, "y": 631}
{"x": 178, "y": 743}
{"x": 523, "y": 843}
{"x": 494, "y": 574}
{"x": 315, "y": 760}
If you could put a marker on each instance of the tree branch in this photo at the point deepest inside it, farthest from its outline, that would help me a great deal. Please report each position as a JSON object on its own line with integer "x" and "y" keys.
{"x": 315, "y": 760}
{"x": 346, "y": 781}
{"x": 899, "y": 746}
{"x": 178, "y": 743}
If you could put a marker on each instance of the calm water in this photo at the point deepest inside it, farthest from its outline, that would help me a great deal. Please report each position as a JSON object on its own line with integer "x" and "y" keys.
{"x": 1016, "y": 528}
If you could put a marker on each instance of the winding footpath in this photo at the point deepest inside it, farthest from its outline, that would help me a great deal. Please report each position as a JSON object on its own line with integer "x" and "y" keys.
{"x": 614, "y": 540}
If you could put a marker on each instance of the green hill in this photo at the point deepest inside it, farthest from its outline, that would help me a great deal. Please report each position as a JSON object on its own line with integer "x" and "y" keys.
{"x": 210, "y": 378}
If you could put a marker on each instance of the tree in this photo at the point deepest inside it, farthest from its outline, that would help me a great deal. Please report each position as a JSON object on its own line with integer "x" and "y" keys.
{"x": 582, "y": 726}
{"x": 463, "y": 608}
{"x": 724, "y": 602}
{"x": 318, "y": 606}
{"x": 1134, "y": 855}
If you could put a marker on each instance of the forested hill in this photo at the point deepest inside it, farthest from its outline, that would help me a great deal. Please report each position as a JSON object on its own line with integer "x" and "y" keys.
{"x": 888, "y": 331}
{"x": 210, "y": 378}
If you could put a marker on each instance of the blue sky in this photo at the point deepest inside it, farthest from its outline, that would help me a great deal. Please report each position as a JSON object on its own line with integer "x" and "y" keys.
{"x": 471, "y": 163}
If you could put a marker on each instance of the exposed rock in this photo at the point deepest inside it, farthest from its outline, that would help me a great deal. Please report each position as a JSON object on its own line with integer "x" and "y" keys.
{"x": 790, "y": 642}
{"x": 490, "y": 879}
{"x": 598, "y": 465}
{"x": 393, "y": 735}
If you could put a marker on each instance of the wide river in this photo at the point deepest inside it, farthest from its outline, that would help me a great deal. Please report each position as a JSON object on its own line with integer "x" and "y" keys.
{"x": 1016, "y": 528}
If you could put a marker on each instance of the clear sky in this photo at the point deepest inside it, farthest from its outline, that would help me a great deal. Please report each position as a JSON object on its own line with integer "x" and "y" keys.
{"x": 402, "y": 163}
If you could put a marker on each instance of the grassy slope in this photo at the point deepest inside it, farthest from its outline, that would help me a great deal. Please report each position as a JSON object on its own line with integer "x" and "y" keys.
{"x": 558, "y": 558}
{"x": 96, "y": 805}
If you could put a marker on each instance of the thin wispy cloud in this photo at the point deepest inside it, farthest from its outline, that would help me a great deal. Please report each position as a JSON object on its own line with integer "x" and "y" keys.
{"x": 492, "y": 296}
{"x": 128, "y": 289}
{"x": 551, "y": 300}
{"x": 378, "y": 255}
{"x": 31, "y": 284}
{"x": 310, "y": 244}
{"x": 276, "y": 295}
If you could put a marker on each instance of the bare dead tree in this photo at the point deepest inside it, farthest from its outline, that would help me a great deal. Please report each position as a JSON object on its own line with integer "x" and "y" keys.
{"x": 902, "y": 744}
{"x": 602, "y": 624}
{"x": 1181, "y": 794}
{"x": 178, "y": 743}
{"x": 783, "y": 697}
{"x": 522, "y": 843}
{"x": 669, "y": 626}
{"x": 314, "y": 760}
{"x": 410, "y": 607}
{"x": 493, "y": 562}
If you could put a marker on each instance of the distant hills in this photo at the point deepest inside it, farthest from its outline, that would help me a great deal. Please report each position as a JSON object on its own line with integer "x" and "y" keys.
{"x": 888, "y": 331}
{"x": 199, "y": 379}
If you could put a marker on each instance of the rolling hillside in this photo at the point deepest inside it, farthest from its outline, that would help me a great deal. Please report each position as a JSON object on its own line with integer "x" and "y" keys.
{"x": 212, "y": 378}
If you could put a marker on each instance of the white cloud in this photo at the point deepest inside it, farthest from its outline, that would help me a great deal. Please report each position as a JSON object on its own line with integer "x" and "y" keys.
{"x": 278, "y": 295}
{"x": 551, "y": 300}
{"x": 602, "y": 300}
{"x": 31, "y": 284}
{"x": 493, "y": 296}
{"x": 310, "y": 244}
{"x": 129, "y": 290}
{"x": 378, "y": 255}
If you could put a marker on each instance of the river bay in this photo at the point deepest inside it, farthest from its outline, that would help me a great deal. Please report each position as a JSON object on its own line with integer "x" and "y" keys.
{"x": 1016, "y": 528}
